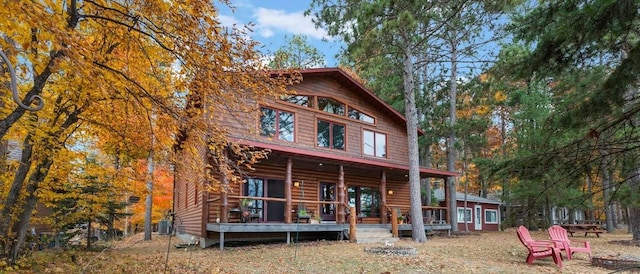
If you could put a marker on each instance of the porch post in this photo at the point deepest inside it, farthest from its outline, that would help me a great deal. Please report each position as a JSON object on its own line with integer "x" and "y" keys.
{"x": 224, "y": 197}
{"x": 287, "y": 192}
{"x": 383, "y": 197}
{"x": 341, "y": 195}
{"x": 446, "y": 201}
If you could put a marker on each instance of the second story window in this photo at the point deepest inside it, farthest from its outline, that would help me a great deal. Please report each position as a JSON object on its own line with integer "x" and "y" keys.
{"x": 358, "y": 115}
{"x": 374, "y": 143}
{"x": 331, "y": 106}
{"x": 278, "y": 123}
{"x": 331, "y": 135}
{"x": 301, "y": 100}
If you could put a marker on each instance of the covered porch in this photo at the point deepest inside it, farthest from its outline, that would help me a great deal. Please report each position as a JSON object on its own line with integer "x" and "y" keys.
{"x": 290, "y": 183}
{"x": 289, "y": 232}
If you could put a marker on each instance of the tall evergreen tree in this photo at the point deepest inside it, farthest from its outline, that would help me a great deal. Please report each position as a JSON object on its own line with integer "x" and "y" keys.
{"x": 597, "y": 38}
{"x": 297, "y": 53}
{"x": 386, "y": 29}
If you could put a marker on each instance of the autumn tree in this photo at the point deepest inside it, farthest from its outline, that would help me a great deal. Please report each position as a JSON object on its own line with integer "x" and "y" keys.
{"x": 119, "y": 71}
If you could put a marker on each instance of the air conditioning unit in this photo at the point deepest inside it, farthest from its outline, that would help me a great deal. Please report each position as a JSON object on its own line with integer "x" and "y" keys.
{"x": 164, "y": 227}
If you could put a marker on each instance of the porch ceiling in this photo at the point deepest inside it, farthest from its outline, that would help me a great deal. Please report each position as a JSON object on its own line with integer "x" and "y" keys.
{"x": 332, "y": 166}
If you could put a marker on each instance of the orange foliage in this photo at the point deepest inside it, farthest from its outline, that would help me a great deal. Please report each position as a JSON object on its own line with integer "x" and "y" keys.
{"x": 162, "y": 193}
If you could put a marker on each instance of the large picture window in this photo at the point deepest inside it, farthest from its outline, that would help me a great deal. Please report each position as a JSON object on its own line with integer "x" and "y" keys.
{"x": 374, "y": 143}
{"x": 461, "y": 215}
{"x": 490, "y": 216}
{"x": 278, "y": 123}
{"x": 331, "y": 135}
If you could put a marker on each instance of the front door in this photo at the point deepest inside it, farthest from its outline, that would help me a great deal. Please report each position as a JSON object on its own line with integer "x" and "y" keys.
{"x": 328, "y": 194}
{"x": 478, "y": 217}
{"x": 275, "y": 210}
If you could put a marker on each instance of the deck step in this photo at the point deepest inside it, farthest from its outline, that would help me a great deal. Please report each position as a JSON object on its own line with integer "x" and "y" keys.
{"x": 374, "y": 235}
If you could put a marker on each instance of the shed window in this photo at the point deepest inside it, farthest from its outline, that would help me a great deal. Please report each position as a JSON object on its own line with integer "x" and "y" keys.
{"x": 461, "y": 215}
{"x": 490, "y": 216}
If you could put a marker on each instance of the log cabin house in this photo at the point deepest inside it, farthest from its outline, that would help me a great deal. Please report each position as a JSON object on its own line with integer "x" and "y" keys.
{"x": 334, "y": 145}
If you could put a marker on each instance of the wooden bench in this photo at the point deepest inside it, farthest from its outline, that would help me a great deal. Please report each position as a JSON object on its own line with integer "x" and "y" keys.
{"x": 586, "y": 231}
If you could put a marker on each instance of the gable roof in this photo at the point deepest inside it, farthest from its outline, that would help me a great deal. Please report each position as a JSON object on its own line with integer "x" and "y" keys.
{"x": 354, "y": 85}
{"x": 439, "y": 193}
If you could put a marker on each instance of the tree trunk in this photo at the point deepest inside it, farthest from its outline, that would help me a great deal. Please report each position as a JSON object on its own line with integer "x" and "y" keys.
{"x": 606, "y": 189}
{"x": 466, "y": 190}
{"x": 89, "y": 233}
{"x": 451, "y": 152}
{"x": 418, "y": 233}
{"x": 589, "y": 193}
{"x": 634, "y": 210}
{"x": 14, "y": 193}
{"x": 149, "y": 200}
{"x": 22, "y": 226}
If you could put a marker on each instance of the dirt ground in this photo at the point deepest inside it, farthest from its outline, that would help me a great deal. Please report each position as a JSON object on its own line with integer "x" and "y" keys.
{"x": 489, "y": 252}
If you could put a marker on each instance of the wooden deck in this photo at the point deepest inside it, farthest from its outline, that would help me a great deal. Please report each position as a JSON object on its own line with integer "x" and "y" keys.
{"x": 340, "y": 229}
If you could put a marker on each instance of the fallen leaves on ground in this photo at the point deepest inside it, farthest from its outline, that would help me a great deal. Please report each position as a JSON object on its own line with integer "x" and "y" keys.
{"x": 488, "y": 252}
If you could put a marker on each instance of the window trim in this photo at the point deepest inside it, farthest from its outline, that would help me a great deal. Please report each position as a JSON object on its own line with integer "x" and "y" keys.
{"x": 331, "y": 123}
{"x": 386, "y": 144}
{"x": 195, "y": 196}
{"x": 496, "y": 214}
{"x": 186, "y": 195}
{"x": 470, "y": 215}
{"x": 276, "y": 136}
{"x": 349, "y": 108}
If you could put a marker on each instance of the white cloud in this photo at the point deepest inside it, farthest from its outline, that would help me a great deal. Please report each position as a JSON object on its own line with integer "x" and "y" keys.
{"x": 265, "y": 32}
{"x": 228, "y": 21}
{"x": 269, "y": 21}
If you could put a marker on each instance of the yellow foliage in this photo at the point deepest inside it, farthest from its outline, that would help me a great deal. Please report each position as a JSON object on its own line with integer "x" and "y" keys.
{"x": 119, "y": 82}
{"x": 499, "y": 96}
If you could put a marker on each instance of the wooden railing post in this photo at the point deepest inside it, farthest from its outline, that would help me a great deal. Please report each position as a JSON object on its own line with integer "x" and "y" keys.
{"x": 352, "y": 225}
{"x": 224, "y": 196}
{"x": 394, "y": 223}
{"x": 383, "y": 197}
{"x": 287, "y": 192}
{"x": 341, "y": 196}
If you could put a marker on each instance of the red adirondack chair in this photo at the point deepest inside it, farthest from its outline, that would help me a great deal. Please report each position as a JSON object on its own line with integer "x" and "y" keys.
{"x": 539, "y": 249}
{"x": 558, "y": 233}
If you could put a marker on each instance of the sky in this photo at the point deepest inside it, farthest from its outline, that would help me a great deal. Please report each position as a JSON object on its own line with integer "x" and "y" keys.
{"x": 273, "y": 19}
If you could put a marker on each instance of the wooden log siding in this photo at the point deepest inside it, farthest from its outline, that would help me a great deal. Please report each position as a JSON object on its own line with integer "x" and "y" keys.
{"x": 243, "y": 126}
{"x": 189, "y": 214}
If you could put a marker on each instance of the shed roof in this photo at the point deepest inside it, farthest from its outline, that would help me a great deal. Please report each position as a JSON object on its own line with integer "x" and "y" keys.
{"x": 439, "y": 193}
